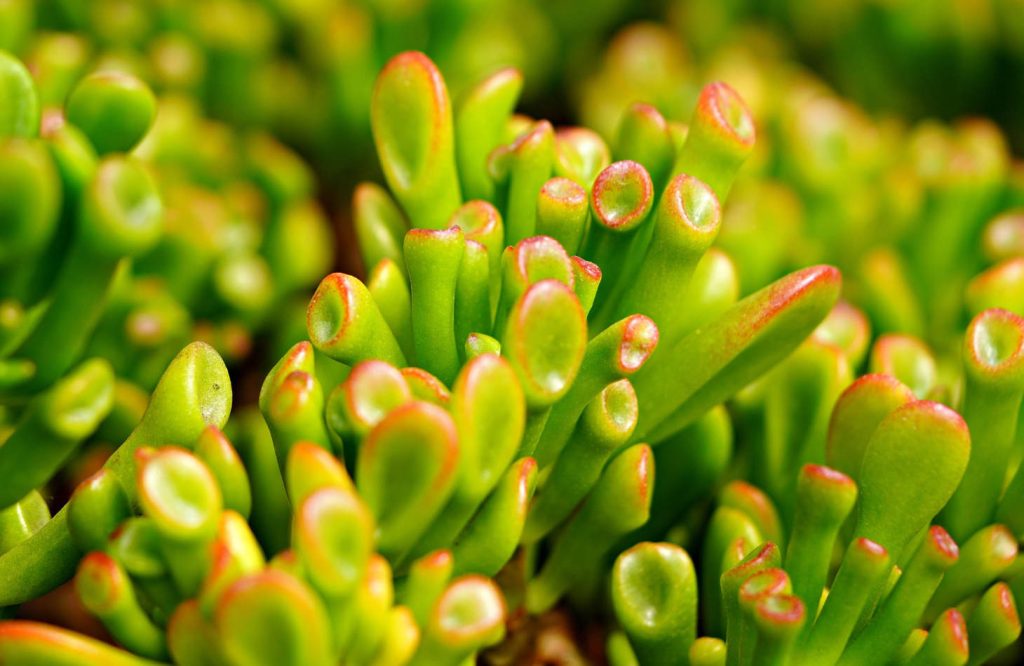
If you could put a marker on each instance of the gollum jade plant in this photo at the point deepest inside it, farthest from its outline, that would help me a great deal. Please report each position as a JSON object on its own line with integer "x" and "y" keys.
{"x": 61, "y": 204}
{"x": 494, "y": 402}
{"x": 96, "y": 189}
{"x": 226, "y": 227}
{"x": 453, "y": 385}
{"x": 114, "y": 233}
{"x": 907, "y": 590}
{"x": 908, "y": 211}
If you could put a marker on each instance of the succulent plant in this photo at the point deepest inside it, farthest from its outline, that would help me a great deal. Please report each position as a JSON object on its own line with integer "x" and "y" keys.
{"x": 106, "y": 271}
{"x": 115, "y": 173}
{"x": 901, "y": 471}
{"x": 909, "y": 212}
{"x": 588, "y": 402}
{"x": 445, "y": 457}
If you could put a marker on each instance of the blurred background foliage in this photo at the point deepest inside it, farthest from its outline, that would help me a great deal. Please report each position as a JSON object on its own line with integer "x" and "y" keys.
{"x": 303, "y": 70}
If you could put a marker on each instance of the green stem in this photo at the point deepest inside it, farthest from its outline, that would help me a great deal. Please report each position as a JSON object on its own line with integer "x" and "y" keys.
{"x": 271, "y": 512}
{"x": 824, "y": 498}
{"x": 864, "y": 567}
{"x": 606, "y": 424}
{"x": 946, "y": 644}
{"x": 488, "y": 408}
{"x": 106, "y": 591}
{"x": 54, "y": 423}
{"x": 752, "y": 593}
{"x": 472, "y": 294}
{"x": 433, "y": 259}
{"x": 379, "y": 226}
{"x": 779, "y": 620}
{"x": 617, "y": 352}
{"x": 390, "y": 291}
{"x": 902, "y": 609}
{"x": 762, "y": 558}
{"x": 983, "y": 558}
{"x": 428, "y": 577}
{"x": 490, "y": 539}
{"x": 562, "y": 212}
{"x": 531, "y": 160}
{"x": 720, "y": 138}
{"x": 620, "y": 502}
{"x": 621, "y": 202}
{"x": 994, "y": 362}
{"x": 480, "y": 121}
{"x": 993, "y": 624}
{"x": 685, "y": 224}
